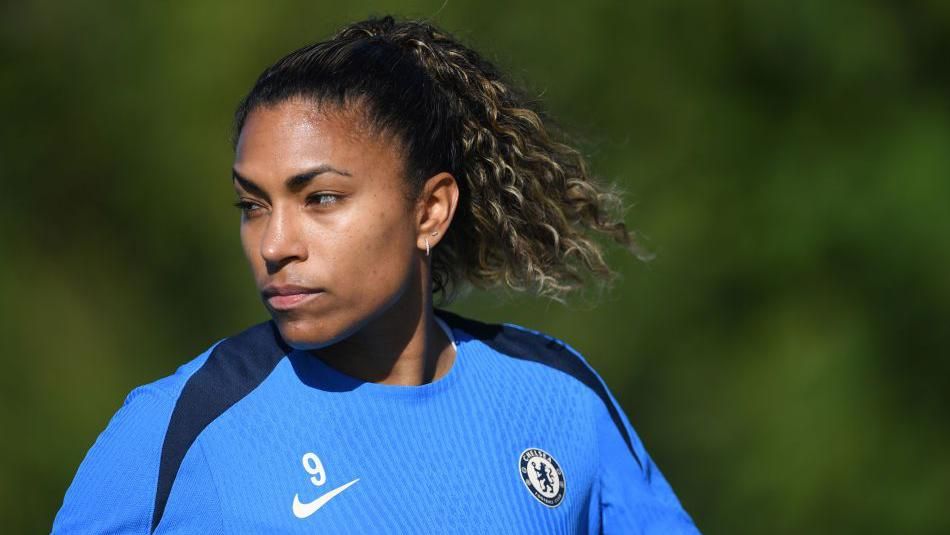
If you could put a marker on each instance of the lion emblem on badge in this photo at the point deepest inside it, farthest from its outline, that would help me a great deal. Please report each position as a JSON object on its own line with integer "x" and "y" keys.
{"x": 542, "y": 475}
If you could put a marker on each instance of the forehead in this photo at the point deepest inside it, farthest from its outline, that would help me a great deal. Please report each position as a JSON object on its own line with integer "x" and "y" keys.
{"x": 282, "y": 139}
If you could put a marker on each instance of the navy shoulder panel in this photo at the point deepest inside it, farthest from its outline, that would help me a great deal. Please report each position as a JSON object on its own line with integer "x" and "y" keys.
{"x": 539, "y": 348}
{"x": 236, "y": 366}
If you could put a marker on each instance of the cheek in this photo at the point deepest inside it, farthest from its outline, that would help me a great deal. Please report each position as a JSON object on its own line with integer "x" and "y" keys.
{"x": 379, "y": 254}
{"x": 250, "y": 245}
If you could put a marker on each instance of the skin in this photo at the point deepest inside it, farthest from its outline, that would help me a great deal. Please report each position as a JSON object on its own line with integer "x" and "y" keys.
{"x": 365, "y": 247}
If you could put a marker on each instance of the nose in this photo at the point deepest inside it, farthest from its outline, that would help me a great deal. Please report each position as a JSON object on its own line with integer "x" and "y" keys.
{"x": 281, "y": 243}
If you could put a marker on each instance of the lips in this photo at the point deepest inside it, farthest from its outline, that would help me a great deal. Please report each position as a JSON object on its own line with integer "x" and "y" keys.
{"x": 286, "y": 297}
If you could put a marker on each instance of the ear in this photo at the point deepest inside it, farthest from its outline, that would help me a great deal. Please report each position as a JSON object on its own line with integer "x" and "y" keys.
{"x": 435, "y": 209}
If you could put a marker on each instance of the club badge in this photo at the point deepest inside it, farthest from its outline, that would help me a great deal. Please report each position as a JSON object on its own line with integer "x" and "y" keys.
{"x": 542, "y": 475}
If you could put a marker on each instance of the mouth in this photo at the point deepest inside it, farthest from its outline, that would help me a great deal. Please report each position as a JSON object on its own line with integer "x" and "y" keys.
{"x": 289, "y": 297}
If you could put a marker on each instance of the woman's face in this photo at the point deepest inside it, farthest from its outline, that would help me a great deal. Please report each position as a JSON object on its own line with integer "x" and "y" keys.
{"x": 325, "y": 224}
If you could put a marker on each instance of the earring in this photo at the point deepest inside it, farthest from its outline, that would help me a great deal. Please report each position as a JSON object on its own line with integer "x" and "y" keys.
{"x": 427, "y": 242}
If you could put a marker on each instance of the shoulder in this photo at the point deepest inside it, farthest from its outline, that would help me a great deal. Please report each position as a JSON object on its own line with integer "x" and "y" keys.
{"x": 233, "y": 365}
{"x": 527, "y": 345}
{"x": 518, "y": 343}
{"x": 170, "y": 386}
{"x": 147, "y": 437}
{"x": 121, "y": 465}
{"x": 207, "y": 387}
{"x": 548, "y": 356}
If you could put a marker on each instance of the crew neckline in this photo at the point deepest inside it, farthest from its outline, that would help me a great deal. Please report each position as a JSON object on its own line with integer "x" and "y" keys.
{"x": 330, "y": 379}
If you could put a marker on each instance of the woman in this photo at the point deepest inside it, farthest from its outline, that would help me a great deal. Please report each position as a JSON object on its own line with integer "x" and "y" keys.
{"x": 373, "y": 170}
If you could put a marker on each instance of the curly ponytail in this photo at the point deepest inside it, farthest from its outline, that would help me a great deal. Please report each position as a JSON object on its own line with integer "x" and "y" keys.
{"x": 526, "y": 197}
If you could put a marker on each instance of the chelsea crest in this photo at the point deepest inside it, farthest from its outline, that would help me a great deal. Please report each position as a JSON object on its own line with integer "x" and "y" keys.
{"x": 542, "y": 475}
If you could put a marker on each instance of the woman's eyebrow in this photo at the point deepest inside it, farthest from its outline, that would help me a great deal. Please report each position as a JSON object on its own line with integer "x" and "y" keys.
{"x": 293, "y": 184}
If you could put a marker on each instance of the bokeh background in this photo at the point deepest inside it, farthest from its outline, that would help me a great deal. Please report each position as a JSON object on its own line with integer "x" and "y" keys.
{"x": 784, "y": 358}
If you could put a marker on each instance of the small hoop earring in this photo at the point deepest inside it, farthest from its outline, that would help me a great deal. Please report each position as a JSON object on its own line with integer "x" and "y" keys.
{"x": 427, "y": 242}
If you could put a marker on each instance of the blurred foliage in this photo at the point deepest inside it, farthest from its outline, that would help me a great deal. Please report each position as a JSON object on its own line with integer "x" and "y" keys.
{"x": 782, "y": 358}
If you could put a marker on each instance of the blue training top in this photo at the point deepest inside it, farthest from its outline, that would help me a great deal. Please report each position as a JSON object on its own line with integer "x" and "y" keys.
{"x": 253, "y": 436}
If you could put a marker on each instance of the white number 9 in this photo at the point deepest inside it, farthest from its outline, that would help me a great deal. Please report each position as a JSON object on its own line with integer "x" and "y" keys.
{"x": 314, "y": 466}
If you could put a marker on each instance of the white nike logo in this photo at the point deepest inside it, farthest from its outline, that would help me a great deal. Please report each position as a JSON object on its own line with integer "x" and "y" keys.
{"x": 303, "y": 510}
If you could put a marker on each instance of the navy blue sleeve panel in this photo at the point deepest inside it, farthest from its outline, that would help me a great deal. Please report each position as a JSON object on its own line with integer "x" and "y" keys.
{"x": 234, "y": 368}
{"x": 113, "y": 489}
{"x": 634, "y": 498}
{"x": 194, "y": 505}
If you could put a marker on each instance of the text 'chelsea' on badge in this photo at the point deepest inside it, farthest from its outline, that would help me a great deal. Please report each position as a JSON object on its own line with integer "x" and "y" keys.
{"x": 542, "y": 475}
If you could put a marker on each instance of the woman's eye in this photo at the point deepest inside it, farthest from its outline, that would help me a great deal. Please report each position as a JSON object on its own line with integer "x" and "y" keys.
{"x": 247, "y": 208}
{"x": 319, "y": 199}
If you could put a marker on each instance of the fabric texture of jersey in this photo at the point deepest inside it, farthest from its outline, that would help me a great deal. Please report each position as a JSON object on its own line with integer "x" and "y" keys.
{"x": 252, "y": 436}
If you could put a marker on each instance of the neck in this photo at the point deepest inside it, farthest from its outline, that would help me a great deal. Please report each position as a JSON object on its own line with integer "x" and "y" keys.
{"x": 402, "y": 345}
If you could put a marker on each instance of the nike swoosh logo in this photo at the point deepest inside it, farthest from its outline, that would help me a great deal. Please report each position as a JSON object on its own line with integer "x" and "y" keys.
{"x": 303, "y": 510}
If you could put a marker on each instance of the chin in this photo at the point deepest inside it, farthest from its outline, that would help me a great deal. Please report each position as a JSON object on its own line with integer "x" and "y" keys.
{"x": 304, "y": 333}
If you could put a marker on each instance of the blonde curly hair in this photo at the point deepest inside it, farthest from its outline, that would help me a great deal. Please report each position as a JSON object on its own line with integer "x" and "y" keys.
{"x": 527, "y": 199}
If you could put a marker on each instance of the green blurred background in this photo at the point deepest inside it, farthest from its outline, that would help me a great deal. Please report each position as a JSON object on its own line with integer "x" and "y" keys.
{"x": 784, "y": 357}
